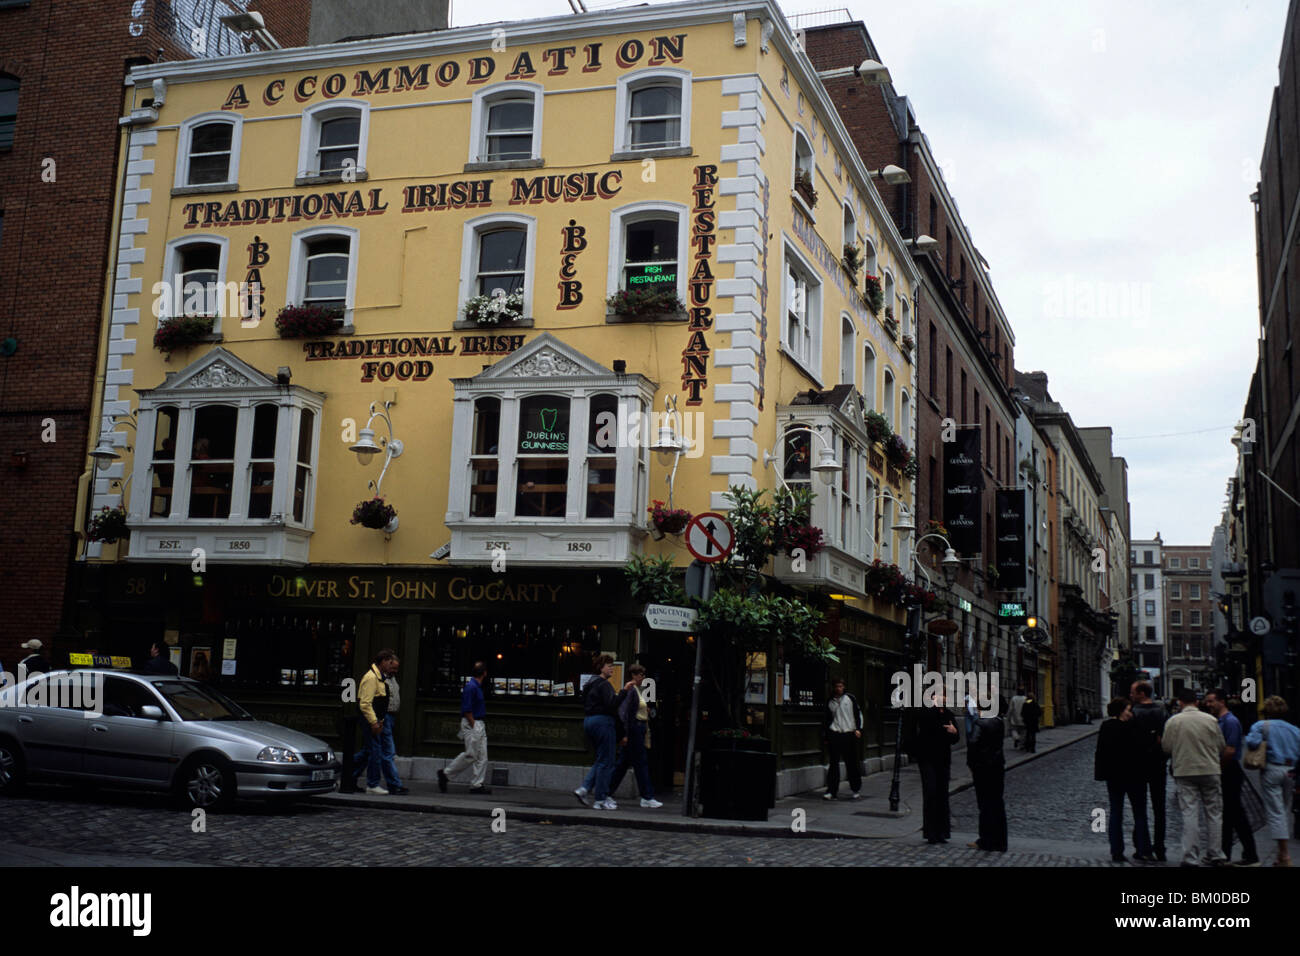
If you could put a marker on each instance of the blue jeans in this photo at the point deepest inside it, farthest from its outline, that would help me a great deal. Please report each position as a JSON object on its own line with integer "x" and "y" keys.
{"x": 378, "y": 753}
{"x": 1137, "y": 799}
{"x": 600, "y": 731}
{"x": 634, "y": 756}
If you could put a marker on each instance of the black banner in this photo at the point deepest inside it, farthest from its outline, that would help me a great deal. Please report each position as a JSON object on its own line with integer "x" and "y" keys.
{"x": 1010, "y": 527}
{"x": 962, "y": 486}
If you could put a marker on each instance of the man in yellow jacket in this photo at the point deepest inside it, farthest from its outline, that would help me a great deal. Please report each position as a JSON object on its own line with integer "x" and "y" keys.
{"x": 377, "y": 709}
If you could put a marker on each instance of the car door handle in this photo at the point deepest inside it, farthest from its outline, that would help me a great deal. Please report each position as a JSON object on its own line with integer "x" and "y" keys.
{"x": 24, "y": 720}
{"x": 99, "y": 728}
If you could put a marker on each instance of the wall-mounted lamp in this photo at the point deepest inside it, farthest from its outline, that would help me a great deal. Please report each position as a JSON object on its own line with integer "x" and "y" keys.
{"x": 924, "y": 243}
{"x": 827, "y": 466}
{"x": 251, "y": 22}
{"x": 892, "y": 175}
{"x": 872, "y": 72}
{"x": 671, "y": 443}
{"x": 366, "y": 448}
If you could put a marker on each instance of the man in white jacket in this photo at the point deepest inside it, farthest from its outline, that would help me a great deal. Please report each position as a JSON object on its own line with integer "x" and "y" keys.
{"x": 1195, "y": 743}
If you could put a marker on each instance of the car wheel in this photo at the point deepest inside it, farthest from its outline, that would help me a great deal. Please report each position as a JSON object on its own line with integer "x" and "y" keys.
{"x": 13, "y": 771}
{"x": 206, "y": 783}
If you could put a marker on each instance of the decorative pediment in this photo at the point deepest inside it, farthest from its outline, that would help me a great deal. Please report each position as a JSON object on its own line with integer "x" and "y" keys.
{"x": 545, "y": 357}
{"x": 217, "y": 369}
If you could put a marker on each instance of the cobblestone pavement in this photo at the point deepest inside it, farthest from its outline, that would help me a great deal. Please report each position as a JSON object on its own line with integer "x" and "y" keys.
{"x": 80, "y": 826}
{"x": 1053, "y": 798}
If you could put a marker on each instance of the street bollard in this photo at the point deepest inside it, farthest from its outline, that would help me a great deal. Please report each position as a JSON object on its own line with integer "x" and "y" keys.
{"x": 349, "y": 782}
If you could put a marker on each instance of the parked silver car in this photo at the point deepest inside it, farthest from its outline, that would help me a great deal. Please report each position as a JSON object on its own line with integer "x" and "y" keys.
{"x": 153, "y": 732}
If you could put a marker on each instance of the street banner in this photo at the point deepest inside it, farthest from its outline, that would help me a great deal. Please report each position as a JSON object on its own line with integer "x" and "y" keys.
{"x": 1010, "y": 527}
{"x": 962, "y": 487}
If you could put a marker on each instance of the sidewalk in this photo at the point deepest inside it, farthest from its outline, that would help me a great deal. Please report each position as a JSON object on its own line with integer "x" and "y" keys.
{"x": 868, "y": 818}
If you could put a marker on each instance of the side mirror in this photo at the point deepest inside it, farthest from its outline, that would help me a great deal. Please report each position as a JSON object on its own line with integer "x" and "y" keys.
{"x": 151, "y": 712}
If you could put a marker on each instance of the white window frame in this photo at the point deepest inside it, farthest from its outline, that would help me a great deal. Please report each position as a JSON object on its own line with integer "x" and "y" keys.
{"x": 1176, "y": 618}
{"x": 620, "y": 217}
{"x": 1195, "y": 617}
{"x": 309, "y": 138}
{"x": 887, "y": 283}
{"x": 870, "y": 261}
{"x": 184, "y": 137}
{"x": 1196, "y": 592}
{"x": 469, "y": 248}
{"x": 630, "y": 83}
{"x": 1176, "y": 563}
{"x": 488, "y": 97}
{"x": 870, "y": 374}
{"x": 1194, "y": 563}
{"x": 848, "y": 350}
{"x": 887, "y": 394}
{"x": 182, "y": 392}
{"x": 1176, "y": 591}
{"x": 812, "y": 316}
{"x": 296, "y": 286}
{"x": 851, "y": 232}
{"x": 801, "y": 135}
{"x": 171, "y": 272}
{"x": 904, "y": 415}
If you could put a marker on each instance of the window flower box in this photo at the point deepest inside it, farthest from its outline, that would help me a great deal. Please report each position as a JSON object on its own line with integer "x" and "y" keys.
{"x": 878, "y": 427}
{"x": 874, "y": 293}
{"x": 852, "y": 261}
{"x": 891, "y": 323}
{"x": 803, "y": 185}
{"x": 808, "y": 537}
{"x": 107, "y": 525}
{"x": 908, "y": 344}
{"x": 374, "y": 514}
{"x": 182, "y": 332}
{"x": 307, "y": 321}
{"x": 495, "y": 310}
{"x": 645, "y": 303}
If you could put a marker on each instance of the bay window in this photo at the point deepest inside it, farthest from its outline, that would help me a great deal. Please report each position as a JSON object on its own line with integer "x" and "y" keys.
{"x": 557, "y": 465}
{"x": 223, "y": 440}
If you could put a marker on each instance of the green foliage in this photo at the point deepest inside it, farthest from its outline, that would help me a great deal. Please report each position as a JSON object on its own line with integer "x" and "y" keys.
{"x": 750, "y": 622}
{"x": 654, "y": 581}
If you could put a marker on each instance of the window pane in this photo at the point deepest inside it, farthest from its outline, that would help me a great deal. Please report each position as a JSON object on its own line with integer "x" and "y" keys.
{"x": 602, "y": 440}
{"x": 210, "y": 487}
{"x": 657, "y": 101}
{"x": 543, "y": 486}
{"x": 512, "y": 116}
{"x": 797, "y": 464}
{"x": 342, "y": 131}
{"x": 214, "y": 432}
{"x": 305, "y": 434}
{"x": 212, "y": 469}
{"x": 487, "y": 425}
{"x": 651, "y": 133}
{"x": 327, "y": 280}
{"x": 501, "y": 261}
{"x": 300, "y": 492}
{"x": 214, "y": 168}
{"x": 602, "y": 424}
{"x": 164, "y": 434}
{"x": 544, "y": 425}
{"x": 211, "y": 138}
{"x": 260, "y": 487}
{"x": 160, "y": 497}
{"x": 8, "y": 110}
{"x": 513, "y": 146}
{"x": 264, "y": 421}
{"x": 204, "y": 256}
{"x": 652, "y": 240}
{"x": 483, "y": 488}
{"x": 601, "y": 474}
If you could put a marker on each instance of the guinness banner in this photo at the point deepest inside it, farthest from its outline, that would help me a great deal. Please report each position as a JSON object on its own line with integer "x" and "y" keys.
{"x": 1010, "y": 526}
{"x": 962, "y": 485}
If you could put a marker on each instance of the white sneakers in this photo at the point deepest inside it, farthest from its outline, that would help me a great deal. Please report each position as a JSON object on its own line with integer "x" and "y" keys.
{"x": 377, "y": 790}
{"x": 606, "y": 804}
{"x": 581, "y": 794}
{"x": 652, "y": 803}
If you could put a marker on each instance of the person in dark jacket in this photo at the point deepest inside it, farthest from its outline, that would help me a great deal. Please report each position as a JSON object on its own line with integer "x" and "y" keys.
{"x": 988, "y": 769}
{"x": 842, "y": 727}
{"x": 634, "y": 733}
{"x": 936, "y": 732}
{"x": 158, "y": 662}
{"x": 600, "y": 704}
{"x": 1149, "y": 716}
{"x": 1120, "y": 763}
{"x": 1030, "y": 714}
{"x": 33, "y": 663}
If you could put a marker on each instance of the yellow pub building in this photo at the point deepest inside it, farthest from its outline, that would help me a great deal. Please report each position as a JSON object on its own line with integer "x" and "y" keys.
{"x": 463, "y": 271}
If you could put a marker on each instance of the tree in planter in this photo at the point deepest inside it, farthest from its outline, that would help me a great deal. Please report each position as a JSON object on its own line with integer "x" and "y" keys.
{"x": 654, "y": 581}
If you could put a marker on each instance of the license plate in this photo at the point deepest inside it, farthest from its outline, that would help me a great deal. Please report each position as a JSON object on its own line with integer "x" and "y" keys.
{"x": 322, "y": 775}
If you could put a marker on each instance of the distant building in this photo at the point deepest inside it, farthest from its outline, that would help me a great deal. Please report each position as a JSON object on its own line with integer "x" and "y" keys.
{"x": 1147, "y": 607}
{"x": 1189, "y": 616}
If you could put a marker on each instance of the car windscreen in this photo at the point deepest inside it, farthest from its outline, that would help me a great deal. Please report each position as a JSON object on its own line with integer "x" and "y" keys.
{"x": 196, "y": 702}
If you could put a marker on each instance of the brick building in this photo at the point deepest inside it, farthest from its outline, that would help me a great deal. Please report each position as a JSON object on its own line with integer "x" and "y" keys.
{"x": 1189, "y": 613}
{"x": 964, "y": 341}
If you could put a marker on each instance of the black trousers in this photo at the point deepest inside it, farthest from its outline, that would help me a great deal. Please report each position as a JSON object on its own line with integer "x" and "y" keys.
{"x": 844, "y": 747}
{"x": 993, "y": 812}
{"x": 1031, "y": 737}
{"x": 1137, "y": 799}
{"x": 1234, "y": 814}
{"x": 934, "y": 800}
{"x": 1155, "y": 778}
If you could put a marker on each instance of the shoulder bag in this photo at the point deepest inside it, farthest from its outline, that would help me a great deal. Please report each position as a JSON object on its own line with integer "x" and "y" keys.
{"x": 1257, "y": 759}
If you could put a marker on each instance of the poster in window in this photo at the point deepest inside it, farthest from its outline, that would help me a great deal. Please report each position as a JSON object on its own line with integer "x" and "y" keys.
{"x": 544, "y": 425}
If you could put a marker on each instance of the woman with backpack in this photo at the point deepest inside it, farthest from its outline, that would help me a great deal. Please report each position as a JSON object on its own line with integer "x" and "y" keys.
{"x": 600, "y": 704}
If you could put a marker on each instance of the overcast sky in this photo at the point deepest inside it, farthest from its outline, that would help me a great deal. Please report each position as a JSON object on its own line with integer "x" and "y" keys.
{"x": 1103, "y": 154}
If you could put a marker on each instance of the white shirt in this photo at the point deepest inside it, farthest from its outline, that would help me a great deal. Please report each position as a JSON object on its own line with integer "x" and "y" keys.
{"x": 844, "y": 721}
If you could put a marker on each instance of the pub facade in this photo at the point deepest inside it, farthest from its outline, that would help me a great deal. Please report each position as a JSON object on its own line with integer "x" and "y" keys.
{"x": 463, "y": 272}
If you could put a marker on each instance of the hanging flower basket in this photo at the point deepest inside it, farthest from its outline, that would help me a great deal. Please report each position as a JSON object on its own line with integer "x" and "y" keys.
{"x": 644, "y": 302}
{"x": 852, "y": 260}
{"x": 107, "y": 525}
{"x": 896, "y": 451}
{"x": 936, "y": 527}
{"x": 874, "y": 292}
{"x": 181, "y": 332}
{"x": 668, "y": 520}
{"x": 306, "y": 321}
{"x": 808, "y": 537}
{"x": 374, "y": 514}
{"x": 495, "y": 309}
{"x": 878, "y": 429}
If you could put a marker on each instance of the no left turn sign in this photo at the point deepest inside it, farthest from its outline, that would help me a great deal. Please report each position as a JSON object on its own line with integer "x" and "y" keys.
{"x": 709, "y": 537}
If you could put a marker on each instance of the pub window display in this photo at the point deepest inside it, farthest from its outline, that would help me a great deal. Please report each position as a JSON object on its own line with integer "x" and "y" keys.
{"x": 543, "y": 459}
{"x": 286, "y": 650}
{"x": 650, "y": 255}
{"x": 525, "y": 659}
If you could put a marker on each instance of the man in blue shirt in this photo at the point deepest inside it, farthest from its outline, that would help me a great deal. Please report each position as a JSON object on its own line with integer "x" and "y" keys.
{"x": 473, "y": 730}
{"x": 1234, "y": 815}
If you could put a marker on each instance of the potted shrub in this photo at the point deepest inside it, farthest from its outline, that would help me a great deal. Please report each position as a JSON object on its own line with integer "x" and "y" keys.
{"x": 891, "y": 324}
{"x": 803, "y": 185}
{"x": 654, "y": 581}
{"x": 181, "y": 332}
{"x": 645, "y": 302}
{"x": 878, "y": 429}
{"x": 374, "y": 514}
{"x": 668, "y": 520}
{"x": 305, "y": 321}
{"x": 874, "y": 293}
{"x": 495, "y": 309}
{"x": 852, "y": 260}
{"x": 107, "y": 525}
{"x": 908, "y": 344}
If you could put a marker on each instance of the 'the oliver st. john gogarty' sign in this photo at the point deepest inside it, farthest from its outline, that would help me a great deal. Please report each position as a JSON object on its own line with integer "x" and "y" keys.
{"x": 555, "y": 61}
{"x": 695, "y": 357}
